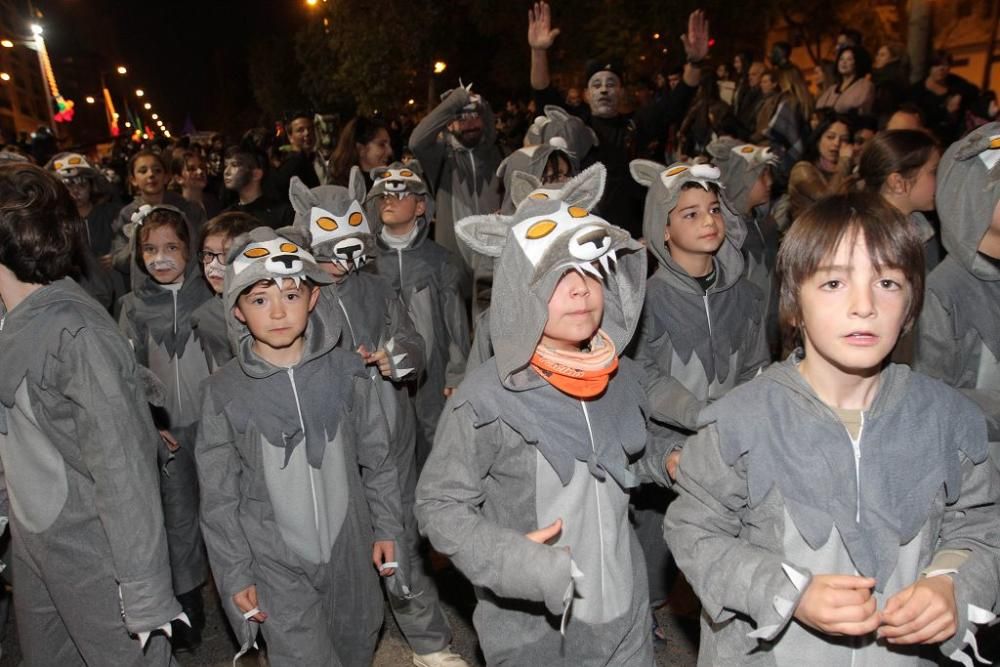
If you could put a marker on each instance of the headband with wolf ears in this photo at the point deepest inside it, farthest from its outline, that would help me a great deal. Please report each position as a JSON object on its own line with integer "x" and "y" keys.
{"x": 560, "y": 129}
{"x": 487, "y": 234}
{"x": 333, "y": 220}
{"x": 741, "y": 165}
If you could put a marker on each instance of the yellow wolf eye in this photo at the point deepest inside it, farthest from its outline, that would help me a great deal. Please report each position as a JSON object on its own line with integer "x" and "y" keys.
{"x": 257, "y": 253}
{"x": 676, "y": 170}
{"x": 289, "y": 247}
{"x": 355, "y": 219}
{"x": 326, "y": 224}
{"x": 538, "y": 195}
{"x": 578, "y": 212}
{"x": 540, "y": 229}
{"x": 406, "y": 173}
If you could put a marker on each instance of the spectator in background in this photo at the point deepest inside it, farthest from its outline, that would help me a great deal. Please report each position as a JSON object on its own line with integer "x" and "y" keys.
{"x": 707, "y": 113}
{"x": 826, "y": 169}
{"x": 243, "y": 174}
{"x": 767, "y": 105}
{"x": 575, "y": 104}
{"x": 891, "y": 76}
{"x": 747, "y": 91}
{"x": 365, "y": 143}
{"x": 301, "y": 158}
{"x": 190, "y": 178}
{"x": 943, "y": 98}
{"x": 865, "y": 128}
{"x": 907, "y": 117}
{"x": 852, "y": 91}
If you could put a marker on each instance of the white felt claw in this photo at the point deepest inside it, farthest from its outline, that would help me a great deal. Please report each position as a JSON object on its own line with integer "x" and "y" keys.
{"x": 763, "y": 632}
{"x": 604, "y": 263}
{"x": 587, "y": 267}
{"x": 979, "y": 616}
{"x": 390, "y": 565}
{"x": 798, "y": 579}
{"x": 165, "y": 628}
{"x": 612, "y": 256}
{"x": 575, "y": 577}
{"x": 395, "y": 360}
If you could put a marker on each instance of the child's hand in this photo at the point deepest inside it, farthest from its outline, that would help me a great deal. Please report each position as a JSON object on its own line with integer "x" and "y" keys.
{"x": 170, "y": 441}
{"x": 448, "y": 391}
{"x": 543, "y": 535}
{"x": 923, "y": 613}
{"x": 384, "y": 551}
{"x": 673, "y": 460}
{"x": 105, "y": 262}
{"x": 839, "y": 605}
{"x": 246, "y": 601}
{"x": 380, "y": 357}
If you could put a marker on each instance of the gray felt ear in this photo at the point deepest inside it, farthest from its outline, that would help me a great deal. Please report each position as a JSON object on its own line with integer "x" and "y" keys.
{"x": 555, "y": 112}
{"x": 299, "y": 195}
{"x": 586, "y": 188}
{"x": 484, "y": 234}
{"x": 356, "y": 184}
{"x": 645, "y": 172}
{"x": 522, "y": 184}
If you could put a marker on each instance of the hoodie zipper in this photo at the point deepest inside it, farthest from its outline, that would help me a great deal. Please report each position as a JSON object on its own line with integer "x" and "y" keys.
{"x": 708, "y": 314}
{"x": 597, "y": 495}
{"x": 177, "y": 355}
{"x": 856, "y": 445}
{"x": 399, "y": 255}
{"x": 475, "y": 191}
{"x": 354, "y": 339}
{"x": 302, "y": 425}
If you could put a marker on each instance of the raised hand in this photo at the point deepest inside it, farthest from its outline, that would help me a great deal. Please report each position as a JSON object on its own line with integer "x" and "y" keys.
{"x": 696, "y": 39}
{"x": 541, "y": 34}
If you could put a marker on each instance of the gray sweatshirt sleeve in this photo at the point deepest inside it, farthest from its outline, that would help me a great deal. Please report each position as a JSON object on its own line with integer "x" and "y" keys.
{"x": 127, "y": 325}
{"x": 669, "y": 401}
{"x": 405, "y": 340}
{"x": 457, "y": 323}
{"x": 219, "y": 476}
{"x": 972, "y": 524}
{"x": 756, "y": 355}
{"x": 450, "y": 493}
{"x": 378, "y": 469}
{"x": 121, "y": 252}
{"x": 939, "y": 354}
{"x": 117, "y": 443}
{"x": 702, "y": 528}
{"x": 424, "y": 138}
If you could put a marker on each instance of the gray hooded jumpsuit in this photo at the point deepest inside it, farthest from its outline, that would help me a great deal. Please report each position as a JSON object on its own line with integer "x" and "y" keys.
{"x": 426, "y": 278}
{"x": 694, "y": 344}
{"x": 157, "y": 321}
{"x": 774, "y": 489}
{"x": 958, "y": 334}
{"x": 375, "y": 317}
{"x": 297, "y": 480}
{"x": 513, "y": 454}
{"x": 78, "y": 451}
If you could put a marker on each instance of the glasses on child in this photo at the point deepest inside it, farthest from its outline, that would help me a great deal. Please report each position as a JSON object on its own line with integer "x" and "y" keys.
{"x": 206, "y": 257}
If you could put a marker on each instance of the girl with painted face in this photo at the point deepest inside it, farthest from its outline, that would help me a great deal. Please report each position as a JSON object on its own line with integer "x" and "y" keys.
{"x": 526, "y": 488}
{"x": 156, "y": 318}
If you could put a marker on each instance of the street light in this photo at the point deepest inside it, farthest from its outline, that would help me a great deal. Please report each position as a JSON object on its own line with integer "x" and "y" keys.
{"x": 7, "y": 44}
{"x": 140, "y": 92}
{"x": 440, "y": 66}
{"x": 90, "y": 99}
{"x": 122, "y": 70}
{"x": 147, "y": 106}
{"x": 156, "y": 116}
{"x": 4, "y": 76}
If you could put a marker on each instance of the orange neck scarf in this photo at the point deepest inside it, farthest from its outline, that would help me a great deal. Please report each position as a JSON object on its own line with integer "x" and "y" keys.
{"x": 578, "y": 374}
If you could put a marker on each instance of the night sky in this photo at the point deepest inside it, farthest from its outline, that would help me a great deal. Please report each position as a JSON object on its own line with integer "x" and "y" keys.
{"x": 189, "y": 56}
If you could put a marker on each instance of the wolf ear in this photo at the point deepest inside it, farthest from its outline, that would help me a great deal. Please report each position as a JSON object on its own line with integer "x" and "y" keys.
{"x": 356, "y": 184}
{"x": 522, "y": 184}
{"x": 484, "y": 234}
{"x": 586, "y": 188}
{"x": 554, "y": 112}
{"x": 645, "y": 172}
{"x": 299, "y": 195}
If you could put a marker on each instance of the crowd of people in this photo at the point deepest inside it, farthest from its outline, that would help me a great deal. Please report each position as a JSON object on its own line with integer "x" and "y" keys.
{"x": 747, "y": 328}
